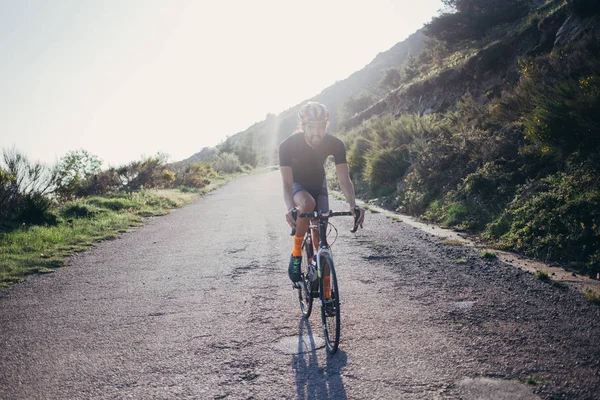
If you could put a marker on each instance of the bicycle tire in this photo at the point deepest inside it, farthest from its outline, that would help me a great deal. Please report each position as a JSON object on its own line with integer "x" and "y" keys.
{"x": 304, "y": 292}
{"x": 330, "y": 316}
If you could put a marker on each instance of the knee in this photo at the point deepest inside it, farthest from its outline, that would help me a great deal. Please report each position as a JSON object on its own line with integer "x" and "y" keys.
{"x": 307, "y": 205}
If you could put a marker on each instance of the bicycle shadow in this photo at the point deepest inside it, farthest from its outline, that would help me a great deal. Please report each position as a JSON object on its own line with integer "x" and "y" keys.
{"x": 312, "y": 381}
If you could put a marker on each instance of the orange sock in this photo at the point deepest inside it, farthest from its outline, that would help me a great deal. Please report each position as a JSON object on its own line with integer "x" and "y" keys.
{"x": 297, "y": 250}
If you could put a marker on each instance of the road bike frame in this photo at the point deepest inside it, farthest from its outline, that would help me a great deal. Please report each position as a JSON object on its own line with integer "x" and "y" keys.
{"x": 330, "y": 306}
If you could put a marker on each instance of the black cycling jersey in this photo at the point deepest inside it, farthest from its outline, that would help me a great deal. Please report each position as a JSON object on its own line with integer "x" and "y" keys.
{"x": 307, "y": 163}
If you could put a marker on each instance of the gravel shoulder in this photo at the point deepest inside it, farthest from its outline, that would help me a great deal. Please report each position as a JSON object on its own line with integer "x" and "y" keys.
{"x": 198, "y": 305}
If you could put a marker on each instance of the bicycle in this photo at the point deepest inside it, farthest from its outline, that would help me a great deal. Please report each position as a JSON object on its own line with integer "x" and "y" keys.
{"x": 318, "y": 277}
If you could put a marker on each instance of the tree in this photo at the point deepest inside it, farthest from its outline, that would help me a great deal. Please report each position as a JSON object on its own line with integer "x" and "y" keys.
{"x": 74, "y": 168}
{"x": 246, "y": 151}
{"x": 411, "y": 67}
{"x": 471, "y": 19}
{"x": 391, "y": 79}
{"x": 356, "y": 104}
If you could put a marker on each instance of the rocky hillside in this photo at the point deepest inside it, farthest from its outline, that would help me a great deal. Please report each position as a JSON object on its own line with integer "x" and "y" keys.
{"x": 486, "y": 120}
{"x": 499, "y": 132}
{"x": 483, "y": 72}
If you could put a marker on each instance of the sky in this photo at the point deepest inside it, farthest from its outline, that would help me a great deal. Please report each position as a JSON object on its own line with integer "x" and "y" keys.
{"x": 125, "y": 79}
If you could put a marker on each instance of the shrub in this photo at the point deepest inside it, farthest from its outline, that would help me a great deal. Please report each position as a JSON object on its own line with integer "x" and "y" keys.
{"x": 473, "y": 18}
{"x": 557, "y": 218}
{"x": 356, "y": 161}
{"x": 391, "y": 79}
{"x": 36, "y": 209}
{"x": 458, "y": 215}
{"x": 385, "y": 166}
{"x": 78, "y": 210}
{"x": 24, "y": 187}
{"x": 557, "y": 99}
{"x": 227, "y": 163}
{"x": 355, "y": 104}
{"x": 196, "y": 175}
{"x": 72, "y": 169}
{"x": 102, "y": 183}
{"x": 147, "y": 173}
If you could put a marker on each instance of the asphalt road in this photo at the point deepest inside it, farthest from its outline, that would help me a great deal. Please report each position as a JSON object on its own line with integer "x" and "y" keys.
{"x": 197, "y": 305}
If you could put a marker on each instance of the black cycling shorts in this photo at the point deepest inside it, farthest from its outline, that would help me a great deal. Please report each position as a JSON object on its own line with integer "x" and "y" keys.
{"x": 320, "y": 195}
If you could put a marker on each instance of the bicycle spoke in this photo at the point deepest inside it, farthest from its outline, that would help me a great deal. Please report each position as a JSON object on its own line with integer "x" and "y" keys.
{"x": 330, "y": 308}
{"x": 304, "y": 292}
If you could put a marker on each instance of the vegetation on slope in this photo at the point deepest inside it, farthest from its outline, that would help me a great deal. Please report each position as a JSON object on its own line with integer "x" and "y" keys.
{"x": 516, "y": 159}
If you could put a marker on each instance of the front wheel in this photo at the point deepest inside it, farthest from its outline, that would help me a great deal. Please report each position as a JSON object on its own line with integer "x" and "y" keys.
{"x": 330, "y": 307}
{"x": 304, "y": 291}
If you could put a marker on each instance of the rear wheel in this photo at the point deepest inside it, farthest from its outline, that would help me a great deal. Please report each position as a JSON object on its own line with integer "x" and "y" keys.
{"x": 304, "y": 292}
{"x": 330, "y": 308}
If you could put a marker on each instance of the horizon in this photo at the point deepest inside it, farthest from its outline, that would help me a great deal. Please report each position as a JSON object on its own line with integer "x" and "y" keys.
{"x": 175, "y": 78}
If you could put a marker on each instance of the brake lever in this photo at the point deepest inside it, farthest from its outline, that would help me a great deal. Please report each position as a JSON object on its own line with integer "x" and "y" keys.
{"x": 356, "y": 217}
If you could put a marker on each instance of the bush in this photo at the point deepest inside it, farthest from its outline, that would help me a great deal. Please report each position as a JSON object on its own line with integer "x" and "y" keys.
{"x": 355, "y": 104}
{"x": 460, "y": 215}
{"x": 73, "y": 169}
{"x": 24, "y": 189}
{"x": 391, "y": 79}
{"x": 473, "y": 18}
{"x": 195, "y": 175}
{"x": 355, "y": 157}
{"x": 35, "y": 209}
{"x": 150, "y": 172}
{"x": 385, "y": 166}
{"x": 227, "y": 163}
{"x": 557, "y": 218}
{"x": 557, "y": 99}
{"x": 102, "y": 183}
{"x": 78, "y": 210}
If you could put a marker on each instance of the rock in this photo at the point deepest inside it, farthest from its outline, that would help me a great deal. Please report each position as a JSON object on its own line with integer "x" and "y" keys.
{"x": 574, "y": 27}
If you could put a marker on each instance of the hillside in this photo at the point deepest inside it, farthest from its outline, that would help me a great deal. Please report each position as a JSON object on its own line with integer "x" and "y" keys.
{"x": 497, "y": 135}
{"x": 484, "y": 121}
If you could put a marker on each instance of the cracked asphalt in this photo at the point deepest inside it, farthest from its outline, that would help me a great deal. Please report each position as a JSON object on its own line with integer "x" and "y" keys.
{"x": 197, "y": 305}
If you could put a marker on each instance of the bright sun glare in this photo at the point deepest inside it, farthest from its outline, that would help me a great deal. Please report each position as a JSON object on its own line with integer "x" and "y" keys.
{"x": 122, "y": 79}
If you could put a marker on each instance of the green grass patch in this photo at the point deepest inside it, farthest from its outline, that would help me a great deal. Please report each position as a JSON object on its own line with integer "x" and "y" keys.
{"x": 542, "y": 275}
{"x": 530, "y": 380}
{"x": 452, "y": 242}
{"x": 81, "y": 223}
{"x": 488, "y": 254}
{"x": 461, "y": 261}
{"x": 591, "y": 296}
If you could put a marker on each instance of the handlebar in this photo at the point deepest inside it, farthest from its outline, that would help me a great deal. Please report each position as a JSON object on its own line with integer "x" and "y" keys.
{"x": 327, "y": 214}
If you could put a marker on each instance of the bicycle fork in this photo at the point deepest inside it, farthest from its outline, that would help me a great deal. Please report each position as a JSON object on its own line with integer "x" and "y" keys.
{"x": 324, "y": 273}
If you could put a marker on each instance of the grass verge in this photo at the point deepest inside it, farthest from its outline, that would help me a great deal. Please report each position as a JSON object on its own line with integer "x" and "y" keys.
{"x": 82, "y": 223}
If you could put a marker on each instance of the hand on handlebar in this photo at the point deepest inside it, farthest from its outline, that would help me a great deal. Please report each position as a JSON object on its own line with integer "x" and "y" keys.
{"x": 359, "y": 217}
{"x": 291, "y": 217}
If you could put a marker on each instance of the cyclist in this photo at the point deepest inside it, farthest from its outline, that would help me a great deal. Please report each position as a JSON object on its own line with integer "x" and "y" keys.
{"x": 301, "y": 159}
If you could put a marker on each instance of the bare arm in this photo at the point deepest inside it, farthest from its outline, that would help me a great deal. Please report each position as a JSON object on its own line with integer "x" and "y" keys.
{"x": 288, "y": 180}
{"x": 343, "y": 175}
{"x": 288, "y": 193}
